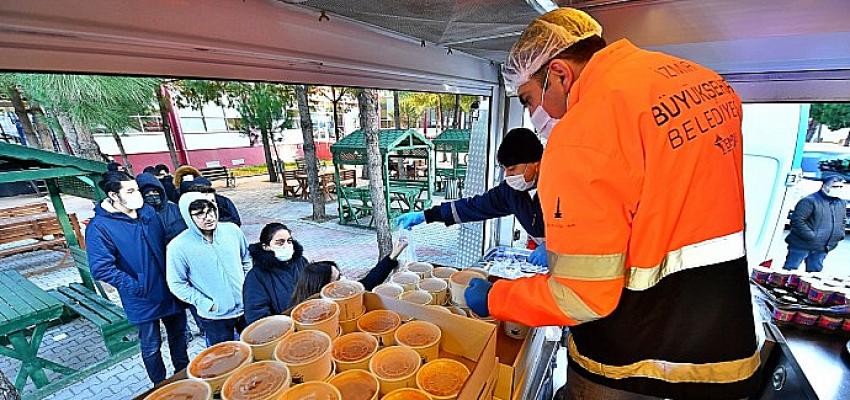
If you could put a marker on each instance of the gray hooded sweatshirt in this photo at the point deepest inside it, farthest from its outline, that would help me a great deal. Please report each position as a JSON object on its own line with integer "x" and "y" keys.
{"x": 208, "y": 275}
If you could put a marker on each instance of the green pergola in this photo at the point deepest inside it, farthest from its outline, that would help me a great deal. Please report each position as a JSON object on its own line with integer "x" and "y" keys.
{"x": 454, "y": 142}
{"x": 402, "y": 193}
{"x": 28, "y": 311}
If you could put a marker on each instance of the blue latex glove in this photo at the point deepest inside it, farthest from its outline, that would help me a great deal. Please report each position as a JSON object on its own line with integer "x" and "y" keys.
{"x": 476, "y": 296}
{"x": 538, "y": 257}
{"x": 409, "y": 220}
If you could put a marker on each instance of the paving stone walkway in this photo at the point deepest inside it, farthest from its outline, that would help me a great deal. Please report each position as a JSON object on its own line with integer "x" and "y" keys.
{"x": 77, "y": 344}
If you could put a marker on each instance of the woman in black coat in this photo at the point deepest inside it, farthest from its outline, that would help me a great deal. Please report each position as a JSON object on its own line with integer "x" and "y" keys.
{"x": 278, "y": 263}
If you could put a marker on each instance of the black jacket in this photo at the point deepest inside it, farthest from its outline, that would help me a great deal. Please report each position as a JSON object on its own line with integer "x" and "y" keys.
{"x": 269, "y": 284}
{"x": 168, "y": 212}
{"x": 170, "y": 190}
{"x": 817, "y": 223}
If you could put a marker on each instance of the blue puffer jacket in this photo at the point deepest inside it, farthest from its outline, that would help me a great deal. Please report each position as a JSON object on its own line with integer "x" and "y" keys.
{"x": 817, "y": 223}
{"x": 168, "y": 212}
{"x": 269, "y": 285}
{"x": 497, "y": 202}
{"x": 129, "y": 254}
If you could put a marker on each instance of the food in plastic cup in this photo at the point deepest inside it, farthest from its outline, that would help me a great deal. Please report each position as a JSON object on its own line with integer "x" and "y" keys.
{"x": 395, "y": 367}
{"x": 263, "y": 380}
{"x": 421, "y": 336}
{"x": 481, "y": 271}
{"x": 356, "y": 384}
{"x": 353, "y": 351}
{"x": 264, "y": 334}
{"x": 458, "y": 283}
{"x": 216, "y": 363}
{"x": 381, "y": 324}
{"x": 307, "y": 354}
{"x": 408, "y": 280}
{"x": 438, "y": 288}
{"x": 439, "y": 308}
{"x": 392, "y": 290}
{"x": 348, "y": 295}
{"x": 457, "y": 310}
{"x": 312, "y": 391}
{"x": 407, "y": 394}
{"x": 443, "y": 273}
{"x": 188, "y": 389}
{"x": 417, "y": 296}
{"x": 317, "y": 315}
{"x": 442, "y": 379}
{"x": 351, "y": 325}
{"x": 422, "y": 269}
{"x": 515, "y": 330}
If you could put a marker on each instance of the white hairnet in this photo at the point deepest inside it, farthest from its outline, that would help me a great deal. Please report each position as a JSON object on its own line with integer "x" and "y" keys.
{"x": 543, "y": 39}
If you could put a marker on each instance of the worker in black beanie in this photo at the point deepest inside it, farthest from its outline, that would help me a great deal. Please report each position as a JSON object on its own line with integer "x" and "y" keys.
{"x": 519, "y": 155}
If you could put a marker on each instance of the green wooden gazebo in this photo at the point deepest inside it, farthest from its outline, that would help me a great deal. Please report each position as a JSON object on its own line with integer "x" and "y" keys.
{"x": 454, "y": 142}
{"x": 403, "y": 192}
{"x": 26, "y": 310}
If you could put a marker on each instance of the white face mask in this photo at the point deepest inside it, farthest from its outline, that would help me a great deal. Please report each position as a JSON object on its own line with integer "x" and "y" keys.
{"x": 517, "y": 182}
{"x": 283, "y": 253}
{"x": 134, "y": 202}
{"x": 541, "y": 120}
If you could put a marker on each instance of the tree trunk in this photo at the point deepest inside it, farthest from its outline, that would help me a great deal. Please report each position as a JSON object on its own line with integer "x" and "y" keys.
{"x": 317, "y": 197}
{"x": 164, "y": 111}
{"x": 127, "y": 164}
{"x": 367, "y": 100}
{"x": 23, "y": 116}
{"x": 267, "y": 152}
{"x": 79, "y": 138}
{"x": 42, "y": 129}
{"x": 456, "y": 122}
{"x": 396, "y": 110}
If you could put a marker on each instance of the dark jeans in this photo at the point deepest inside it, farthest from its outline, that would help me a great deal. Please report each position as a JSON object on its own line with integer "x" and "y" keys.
{"x": 814, "y": 259}
{"x": 222, "y": 330}
{"x": 150, "y": 342}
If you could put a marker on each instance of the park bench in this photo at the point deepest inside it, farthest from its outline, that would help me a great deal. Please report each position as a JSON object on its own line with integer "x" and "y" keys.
{"x": 291, "y": 185}
{"x": 219, "y": 174}
{"x": 35, "y": 224}
{"x": 348, "y": 177}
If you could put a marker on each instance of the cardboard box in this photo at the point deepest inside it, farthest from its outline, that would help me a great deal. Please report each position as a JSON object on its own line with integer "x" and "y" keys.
{"x": 514, "y": 356}
{"x": 469, "y": 341}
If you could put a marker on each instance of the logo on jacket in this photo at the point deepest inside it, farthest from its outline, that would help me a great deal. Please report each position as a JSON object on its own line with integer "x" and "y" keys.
{"x": 558, "y": 214}
{"x": 726, "y": 144}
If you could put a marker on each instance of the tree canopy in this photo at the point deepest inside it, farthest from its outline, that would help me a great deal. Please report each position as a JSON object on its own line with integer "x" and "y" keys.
{"x": 833, "y": 115}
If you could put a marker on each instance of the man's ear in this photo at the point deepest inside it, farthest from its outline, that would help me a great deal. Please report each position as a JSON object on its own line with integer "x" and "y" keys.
{"x": 560, "y": 71}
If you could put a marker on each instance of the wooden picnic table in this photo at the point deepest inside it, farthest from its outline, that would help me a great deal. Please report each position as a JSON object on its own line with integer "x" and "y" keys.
{"x": 326, "y": 183}
{"x": 27, "y": 310}
{"x": 44, "y": 216}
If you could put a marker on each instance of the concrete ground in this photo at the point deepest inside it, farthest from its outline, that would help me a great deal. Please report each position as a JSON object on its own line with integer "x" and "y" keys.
{"x": 78, "y": 344}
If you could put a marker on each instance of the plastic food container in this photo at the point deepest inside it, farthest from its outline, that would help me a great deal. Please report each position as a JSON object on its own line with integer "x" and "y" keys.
{"x": 439, "y": 308}
{"x": 457, "y": 311}
{"x": 760, "y": 274}
{"x": 392, "y": 290}
{"x": 515, "y": 330}
{"x": 407, "y": 394}
{"x": 820, "y": 294}
{"x": 422, "y": 269}
{"x": 351, "y": 325}
{"x": 442, "y": 379}
{"x": 381, "y": 324}
{"x": 443, "y": 273}
{"x": 417, "y": 296}
{"x": 356, "y": 384}
{"x": 488, "y": 319}
{"x": 187, "y": 389}
{"x": 264, "y": 380}
{"x": 312, "y": 391}
{"x": 317, "y": 315}
{"x": 805, "y": 319}
{"x": 408, "y": 280}
{"x": 829, "y": 323}
{"x": 353, "y": 351}
{"x": 783, "y": 316}
{"x": 421, "y": 336}
{"x": 264, "y": 334}
{"x": 395, "y": 367}
{"x": 215, "y": 364}
{"x": 348, "y": 295}
{"x": 307, "y": 354}
{"x": 459, "y": 281}
{"x": 438, "y": 288}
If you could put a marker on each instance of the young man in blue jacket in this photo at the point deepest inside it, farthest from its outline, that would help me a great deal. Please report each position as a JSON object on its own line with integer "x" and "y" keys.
{"x": 206, "y": 266}
{"x": 519, "y": 154}
{"x": 126, "y": 249}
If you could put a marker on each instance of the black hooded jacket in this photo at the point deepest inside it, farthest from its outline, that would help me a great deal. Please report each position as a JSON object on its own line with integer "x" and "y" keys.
{"x": 269, "y": 284}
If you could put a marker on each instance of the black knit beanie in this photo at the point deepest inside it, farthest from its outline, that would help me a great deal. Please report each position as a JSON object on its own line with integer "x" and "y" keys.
{"x": 519, "y": 146}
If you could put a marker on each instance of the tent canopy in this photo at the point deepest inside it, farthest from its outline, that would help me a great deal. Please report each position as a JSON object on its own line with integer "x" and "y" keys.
{"x": 453, "y": 140}
{"x": 19, "y": 163}
{"x": 351, "y": 150}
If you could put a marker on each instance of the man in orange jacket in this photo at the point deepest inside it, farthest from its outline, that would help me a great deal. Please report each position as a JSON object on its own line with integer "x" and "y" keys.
{"x": 642, "y": 194}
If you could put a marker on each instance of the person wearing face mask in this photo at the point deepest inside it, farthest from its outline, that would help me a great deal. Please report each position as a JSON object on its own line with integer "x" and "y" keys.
{"x": 125, "y": 242}
{"x": 519, "y": 154}
{"x": 817, "y": 226}
{"x": 641, "y": 187}
{"x": 154, "y": 195}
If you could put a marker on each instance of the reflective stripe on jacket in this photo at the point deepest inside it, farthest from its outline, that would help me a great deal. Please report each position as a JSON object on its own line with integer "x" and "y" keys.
{"x": 642, "y": 194}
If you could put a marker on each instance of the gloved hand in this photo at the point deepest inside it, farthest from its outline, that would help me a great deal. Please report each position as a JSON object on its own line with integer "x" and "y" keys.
{"x": 409, "y": 220}
{"x": 539, "y": 256}
{"x": 476, "y": 296}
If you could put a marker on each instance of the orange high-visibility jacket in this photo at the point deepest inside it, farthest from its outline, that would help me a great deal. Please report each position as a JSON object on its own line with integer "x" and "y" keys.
{"x": 642, "y": 193}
